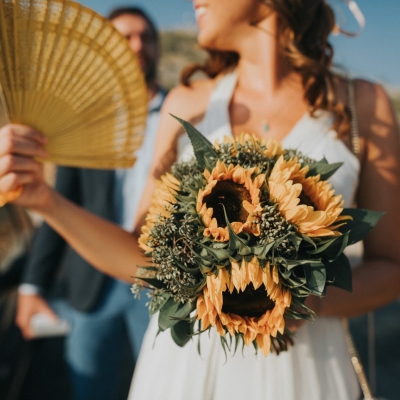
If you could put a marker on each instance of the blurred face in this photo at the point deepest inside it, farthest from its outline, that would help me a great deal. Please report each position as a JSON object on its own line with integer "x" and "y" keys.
{"x": 222, "y": 22}
{"x": 141, "y": 40}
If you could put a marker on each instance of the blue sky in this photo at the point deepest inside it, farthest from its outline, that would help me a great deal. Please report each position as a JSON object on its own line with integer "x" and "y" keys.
{"x": 375, "y": 54}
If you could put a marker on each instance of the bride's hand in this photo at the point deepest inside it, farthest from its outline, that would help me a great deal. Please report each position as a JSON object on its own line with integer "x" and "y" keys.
{"x": 19, "y": 146}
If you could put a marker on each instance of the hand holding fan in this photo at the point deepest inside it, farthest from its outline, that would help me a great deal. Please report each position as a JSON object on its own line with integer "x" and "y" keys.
{"x": 67, "y": 72}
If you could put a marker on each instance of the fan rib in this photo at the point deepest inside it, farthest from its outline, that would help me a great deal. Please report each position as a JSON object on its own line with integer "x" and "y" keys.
{"x": 8, "y": 94}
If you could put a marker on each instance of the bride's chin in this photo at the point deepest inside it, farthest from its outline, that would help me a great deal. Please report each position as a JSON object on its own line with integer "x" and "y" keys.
{"x": 203, "y": 40}
{"x": 210, "y": 42}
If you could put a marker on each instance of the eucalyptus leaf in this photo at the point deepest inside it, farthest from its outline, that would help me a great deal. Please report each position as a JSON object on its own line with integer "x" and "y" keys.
{"x": 204, "y": 151}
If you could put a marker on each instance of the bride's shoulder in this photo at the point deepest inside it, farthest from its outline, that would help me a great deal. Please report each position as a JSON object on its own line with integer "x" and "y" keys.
{"x": 186, "y": 102}
{"x": 369, "y": 97}
{"x": 190, "y": 102}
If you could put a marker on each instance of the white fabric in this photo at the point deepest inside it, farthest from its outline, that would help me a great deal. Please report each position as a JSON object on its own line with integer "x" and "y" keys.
{"x": 317, "y": 367}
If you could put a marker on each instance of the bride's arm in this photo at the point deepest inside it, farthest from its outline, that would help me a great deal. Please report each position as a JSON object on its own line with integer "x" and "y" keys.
{"x": 101, "y": 243}
{"x": 377, "y": 281}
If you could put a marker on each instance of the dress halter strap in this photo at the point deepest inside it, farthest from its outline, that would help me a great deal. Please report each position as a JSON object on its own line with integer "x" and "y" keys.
{"x": 355, "y": 136}
{"x": 217, "y": 113}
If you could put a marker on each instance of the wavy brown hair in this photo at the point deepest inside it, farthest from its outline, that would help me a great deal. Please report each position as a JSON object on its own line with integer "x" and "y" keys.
{"x": 304, "y": 28}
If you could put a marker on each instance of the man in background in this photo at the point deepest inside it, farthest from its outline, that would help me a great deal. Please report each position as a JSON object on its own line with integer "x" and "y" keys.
{"x": 101, "y": 307}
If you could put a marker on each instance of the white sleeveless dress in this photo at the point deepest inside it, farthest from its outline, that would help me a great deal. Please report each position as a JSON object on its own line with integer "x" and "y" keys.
{"x": 317, "y": 367}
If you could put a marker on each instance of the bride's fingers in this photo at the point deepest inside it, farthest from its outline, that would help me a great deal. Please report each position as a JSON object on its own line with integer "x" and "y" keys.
{"x": 18, "y": 139}
{"x": 24, "y": 131}
{"x": 15, "y": 180}
{"x": 294, "y": 324}
{"x": 10, "y": 163}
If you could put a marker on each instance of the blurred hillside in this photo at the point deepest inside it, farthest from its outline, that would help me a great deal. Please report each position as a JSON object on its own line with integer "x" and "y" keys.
{"x": 179, "y": 48}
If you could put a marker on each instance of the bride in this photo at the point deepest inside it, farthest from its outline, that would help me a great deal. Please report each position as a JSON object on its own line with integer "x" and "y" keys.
{"x": 269, "y": 73}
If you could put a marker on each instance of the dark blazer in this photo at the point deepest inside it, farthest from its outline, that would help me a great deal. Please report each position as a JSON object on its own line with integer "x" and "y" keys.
{"x": 94, "y": 191}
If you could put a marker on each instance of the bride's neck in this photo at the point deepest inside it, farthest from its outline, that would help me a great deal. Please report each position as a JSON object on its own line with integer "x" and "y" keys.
{"x": 262, "y": 67}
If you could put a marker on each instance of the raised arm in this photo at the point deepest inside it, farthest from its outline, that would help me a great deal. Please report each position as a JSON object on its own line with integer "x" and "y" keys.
{"x": 103, "y": 244}
{"x": 18, "y": 147}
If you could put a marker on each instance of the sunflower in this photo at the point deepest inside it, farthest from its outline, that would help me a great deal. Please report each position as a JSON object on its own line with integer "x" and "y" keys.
{"x": 230, "y": 189}
{"x": 308, "y": 203}
{"x": 164, "y": 196}
{"x": 246, "y": 300}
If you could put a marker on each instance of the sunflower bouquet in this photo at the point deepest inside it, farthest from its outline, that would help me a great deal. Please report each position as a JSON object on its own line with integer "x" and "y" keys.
{"x": 239, "y": 236}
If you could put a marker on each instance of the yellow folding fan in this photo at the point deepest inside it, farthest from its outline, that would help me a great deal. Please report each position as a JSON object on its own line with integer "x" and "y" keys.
{"x": 67, "y": 72}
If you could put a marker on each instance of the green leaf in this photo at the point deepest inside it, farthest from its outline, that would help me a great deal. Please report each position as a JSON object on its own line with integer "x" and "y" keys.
{"x": 338, "y": 273}
{"x": 245, "y": 250}
{"x": 160, "y": 303}
{"x": 261, "y": 251}
{"x": 182, "y": 332}
{"x": 218, "y": 254}
{"x": 190, "y": 270}
{"x": 148, "y": 268}
{"x": 235, "y": 243}
{"x": 153, "y": 282}
{"x": 333, "y": 248}
{"x": 337, "y": 247}
{"x": 362, "y": 224}
{"x": 205, "y": 270}
{"x": 290, "y": 264}
{"x": 196, "y": 288}
{"x": 321, "y": 247}
{"x": 175, "y": 310}
{"x": 295, "y": 240}
{"x": 204, "y": 151}
{"x": 323, "y": 169}
{"x": 307, "y": 239}
{"x": 316, "y": 279}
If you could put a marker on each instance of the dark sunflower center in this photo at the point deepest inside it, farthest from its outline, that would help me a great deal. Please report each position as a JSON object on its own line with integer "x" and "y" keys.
{"x": 229, "y": 195}
{"x": 304, "y": 199}
{"x": 250, "y": 303}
